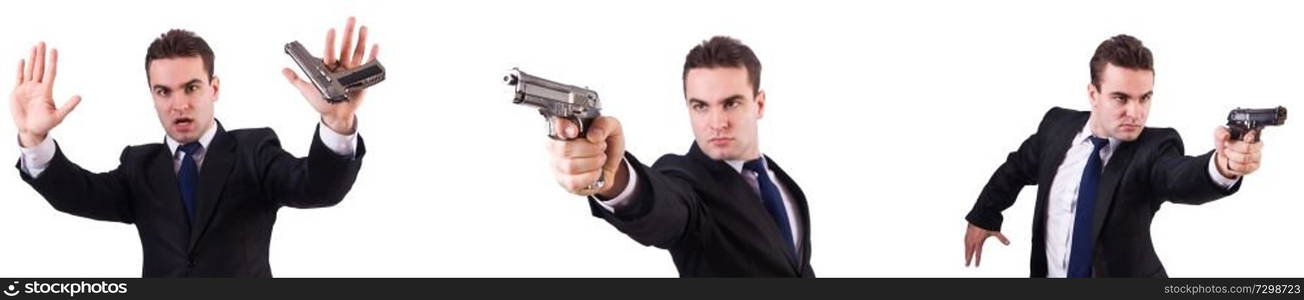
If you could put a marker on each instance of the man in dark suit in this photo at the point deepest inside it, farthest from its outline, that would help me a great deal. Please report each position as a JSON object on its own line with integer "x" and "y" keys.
{"x": 203, "y": 201}
{"x": 1102, "y": 175}
{"x": 723, "y": 209}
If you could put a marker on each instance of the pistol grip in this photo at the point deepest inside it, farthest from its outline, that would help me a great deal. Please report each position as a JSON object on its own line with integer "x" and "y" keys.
{"x": 1238, "y": 133}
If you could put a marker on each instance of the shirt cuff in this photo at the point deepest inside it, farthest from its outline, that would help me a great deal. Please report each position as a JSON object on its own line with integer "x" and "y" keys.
{"x": 344, "y": 145}
{"x": 37, "y": 158}
{"x": 1224, "y": 182}
{"x": 622, "y": 199}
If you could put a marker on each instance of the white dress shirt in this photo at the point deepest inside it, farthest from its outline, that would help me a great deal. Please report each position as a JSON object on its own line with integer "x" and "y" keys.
{"x": 1061, "y": 208}
{"x": 35, "y": 159}
{"x": 622, "y": 199}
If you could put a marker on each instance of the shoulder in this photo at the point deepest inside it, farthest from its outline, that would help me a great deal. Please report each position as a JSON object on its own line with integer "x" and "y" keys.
{"x": 1159, "y": 137}
{"x": 1059, "y": 115}
{"x": 143, "y": 152}
{"x": 253, "y": 134}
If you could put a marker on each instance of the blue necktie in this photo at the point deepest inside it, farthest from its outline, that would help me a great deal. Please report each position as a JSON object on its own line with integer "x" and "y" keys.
{"x": 1083, "y": 225}
{"x": 772, "y": 199}
{"x": 188, "y": 177}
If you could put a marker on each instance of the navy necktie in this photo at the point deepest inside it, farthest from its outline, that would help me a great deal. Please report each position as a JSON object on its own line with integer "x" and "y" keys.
{"x": 772, "y": 199}
{"x": 188, "y": 177}
{"x": 1082, "y": 247}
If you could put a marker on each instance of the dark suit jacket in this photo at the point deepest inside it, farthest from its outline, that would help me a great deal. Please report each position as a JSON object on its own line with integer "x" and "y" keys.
{"x": 1138, "y": 178}
{"x": 245, "y": 178}
{"x": 710, "y": 219}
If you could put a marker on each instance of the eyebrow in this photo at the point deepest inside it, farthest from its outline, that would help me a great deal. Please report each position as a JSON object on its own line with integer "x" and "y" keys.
{"x": 735, "y": 97}
{"x": 192, "y": 81}
{"x": 1125, "y": 95}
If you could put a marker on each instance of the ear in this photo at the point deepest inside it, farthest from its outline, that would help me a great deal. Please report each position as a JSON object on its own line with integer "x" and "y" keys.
{"x": 760, "y": 104}
{"x": 216, "y": 84}
{"x": 1092, "y": 94}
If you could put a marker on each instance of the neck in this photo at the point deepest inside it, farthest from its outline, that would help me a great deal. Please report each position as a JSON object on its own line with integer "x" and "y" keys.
{"x": 1097, "y": 130}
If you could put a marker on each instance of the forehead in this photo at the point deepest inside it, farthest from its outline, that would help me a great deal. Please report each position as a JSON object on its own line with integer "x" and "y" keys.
{"x": 715, "y": 84}
{"x": 176, "y": 71}
{"x": 1131, "y": 81}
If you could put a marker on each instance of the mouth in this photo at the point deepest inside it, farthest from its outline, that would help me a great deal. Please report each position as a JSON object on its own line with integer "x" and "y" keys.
{"x": 1129, "y": 127}
{"x": 720, "y": 141}
{"x": 183, "y": 124}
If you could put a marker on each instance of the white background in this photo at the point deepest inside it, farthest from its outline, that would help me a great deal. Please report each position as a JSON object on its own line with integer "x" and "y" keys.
{"x": 892, "y": 116}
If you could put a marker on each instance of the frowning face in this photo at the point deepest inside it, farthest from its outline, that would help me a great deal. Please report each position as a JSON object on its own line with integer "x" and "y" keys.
{"x": 724, "y": 111}
{"x": 1120, "y": 105}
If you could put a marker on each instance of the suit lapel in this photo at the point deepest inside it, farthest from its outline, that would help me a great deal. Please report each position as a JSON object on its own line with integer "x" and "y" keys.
{"x": 218, "y": 160}
{"x": 163, "y": 181}
{"x": 1061, "y": 138}
{"x": 752, "y": 207}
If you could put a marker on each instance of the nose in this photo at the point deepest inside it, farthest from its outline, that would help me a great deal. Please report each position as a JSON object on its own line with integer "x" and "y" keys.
{"x": 719, "y": 120}
{"x": 1133, "y": 110}
{"x": 180, "y": 103}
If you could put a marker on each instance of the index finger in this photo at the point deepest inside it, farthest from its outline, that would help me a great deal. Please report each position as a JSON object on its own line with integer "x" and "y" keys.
{"x": 563, "y": 128}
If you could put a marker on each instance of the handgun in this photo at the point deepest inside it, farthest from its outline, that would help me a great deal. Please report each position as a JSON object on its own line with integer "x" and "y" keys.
{"x": 334, "y": 86}
{"x": 555, "y": 100}
{"x": 1245, "y": 120}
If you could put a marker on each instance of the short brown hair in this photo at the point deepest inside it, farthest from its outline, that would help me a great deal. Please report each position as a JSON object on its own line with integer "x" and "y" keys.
{"x": 179, "y": 43}
{"x": 1123, "y": 51}
{"x": 727, "y": 52}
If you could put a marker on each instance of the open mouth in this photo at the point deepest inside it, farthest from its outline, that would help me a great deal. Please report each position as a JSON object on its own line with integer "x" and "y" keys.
{"x": 183, "y": 124}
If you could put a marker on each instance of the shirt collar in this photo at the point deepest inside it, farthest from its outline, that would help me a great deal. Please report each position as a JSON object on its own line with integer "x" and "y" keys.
{"x": 738, "y": 164}
{"x": 204, "y": 139}
{"x": 1086, "y": 132}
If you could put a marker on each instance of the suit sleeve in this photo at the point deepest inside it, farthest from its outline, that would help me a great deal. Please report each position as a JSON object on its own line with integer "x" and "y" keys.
{"x": 663, "y": 211}
{"x": 76, "y": 191}
{"x": 1184, "y": 179}
{"x": 320, "y": 180}
{"x": 1020, "y": 169}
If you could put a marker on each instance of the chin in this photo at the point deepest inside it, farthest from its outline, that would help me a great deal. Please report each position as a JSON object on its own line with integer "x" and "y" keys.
{"x": 1128, "y": 137}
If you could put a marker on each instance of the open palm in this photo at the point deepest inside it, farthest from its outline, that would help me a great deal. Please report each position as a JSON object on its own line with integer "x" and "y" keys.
{"x": 31, "y": 102}
{"x": 337, "y": 116}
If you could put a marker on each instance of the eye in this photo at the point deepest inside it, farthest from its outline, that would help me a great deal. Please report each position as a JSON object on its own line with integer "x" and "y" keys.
{"x": 190, "y": 89}
{"x": 161, "y": 92}
{"x": 731, "y": 104}
{"x": 697, "y": 106}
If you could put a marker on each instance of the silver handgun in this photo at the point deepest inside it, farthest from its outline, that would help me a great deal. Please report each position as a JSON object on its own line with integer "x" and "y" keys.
{"x": 334, "y": 86}
{"x": 555, "y": 100}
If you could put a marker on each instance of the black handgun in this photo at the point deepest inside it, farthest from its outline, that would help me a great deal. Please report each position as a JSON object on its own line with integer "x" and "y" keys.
{"x": 555, "y": 100}
{"x": 1245, "y": 120}
{"x": 334, "y": 86}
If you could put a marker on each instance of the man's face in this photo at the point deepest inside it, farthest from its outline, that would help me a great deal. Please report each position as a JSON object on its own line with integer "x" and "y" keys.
{"x": 1120, "y": 106}
{"x": 724, "y": 111}
{"x": 183, "y": 96}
